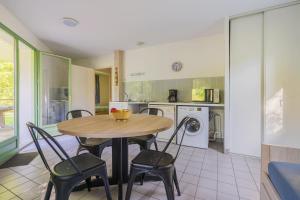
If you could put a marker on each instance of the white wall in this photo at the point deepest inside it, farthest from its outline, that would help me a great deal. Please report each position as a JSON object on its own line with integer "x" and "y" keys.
{"x": 103, "y": 61}
{"x": 201, "y": 57}
{"x": 9, "y": 20}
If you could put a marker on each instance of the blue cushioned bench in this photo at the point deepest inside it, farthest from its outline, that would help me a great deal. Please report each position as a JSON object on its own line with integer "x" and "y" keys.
{"x": 286, "y": 179}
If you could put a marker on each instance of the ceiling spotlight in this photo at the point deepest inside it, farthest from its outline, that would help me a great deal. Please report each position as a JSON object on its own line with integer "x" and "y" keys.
{"x": 70, "y": 22}
{"x": 140, "y": 43}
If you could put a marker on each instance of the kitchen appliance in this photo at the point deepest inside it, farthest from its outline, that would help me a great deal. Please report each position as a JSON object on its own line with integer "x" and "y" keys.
{"x": 198, "y": 94}
{"x": 206, "y": 95}
{"x": 172, "y": 95}
{"x": 216, "y": 96}
{"x": 197, "y": 134}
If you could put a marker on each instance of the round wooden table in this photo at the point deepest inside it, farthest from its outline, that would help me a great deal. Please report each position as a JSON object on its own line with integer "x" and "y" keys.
{"x": 104, "y": 126}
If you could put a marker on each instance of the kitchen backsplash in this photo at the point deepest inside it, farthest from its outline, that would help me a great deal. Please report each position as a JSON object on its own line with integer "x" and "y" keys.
{"x": 158, "y": 90}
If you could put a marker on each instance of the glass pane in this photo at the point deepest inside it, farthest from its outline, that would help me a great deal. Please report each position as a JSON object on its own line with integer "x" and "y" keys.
{"x": 7, "y": 91}
{"x": 26, "y": 92}
{"x": 55, "y": 88}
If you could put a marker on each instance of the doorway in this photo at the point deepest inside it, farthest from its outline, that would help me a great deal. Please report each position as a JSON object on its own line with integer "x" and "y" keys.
{"x": 102, "y": 90}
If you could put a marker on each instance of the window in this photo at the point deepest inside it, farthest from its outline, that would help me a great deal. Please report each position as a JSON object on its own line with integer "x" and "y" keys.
{"x": 7, "y": 86}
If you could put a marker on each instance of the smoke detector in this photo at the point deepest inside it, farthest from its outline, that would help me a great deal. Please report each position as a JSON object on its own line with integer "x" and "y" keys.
{"x": 70, "y": 22}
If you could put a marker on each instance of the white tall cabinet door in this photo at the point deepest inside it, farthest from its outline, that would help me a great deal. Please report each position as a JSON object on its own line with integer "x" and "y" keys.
{"x": 26, "y": 92}
{"x": 246, "y": 47}
{"x": 282, "y": 76}
{"x": 83, "y": 88}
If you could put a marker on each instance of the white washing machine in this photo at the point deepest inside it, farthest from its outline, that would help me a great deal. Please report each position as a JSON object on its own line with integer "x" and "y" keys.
{"x": 197, "y": 134}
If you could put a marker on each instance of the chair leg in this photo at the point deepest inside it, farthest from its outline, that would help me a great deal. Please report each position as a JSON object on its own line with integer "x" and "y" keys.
{"x": 142, "y": 147}
{"x": 133, "y": 174}
{"x": 142, "y": 178}
{"x": 100, "y": 151}
{"x": 78, "y": 150}
{"x": 88, "y": 183}
{"x": 155, "y": 145}
{"x": 148, "y": 146}
{"x": 106, "y": 183}
{"x": 167, "y": 177}
{"x": 95, "y": 151}
{"x": 49, "y": 189}
{"x": 62, "y": 192}
{"x": 176, "y": 182}
{"x": 145, "y": 146}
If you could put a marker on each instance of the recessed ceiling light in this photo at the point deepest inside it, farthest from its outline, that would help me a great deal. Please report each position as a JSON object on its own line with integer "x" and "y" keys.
{"x": 140, "y": 43}
{"x": 68, "y": 21}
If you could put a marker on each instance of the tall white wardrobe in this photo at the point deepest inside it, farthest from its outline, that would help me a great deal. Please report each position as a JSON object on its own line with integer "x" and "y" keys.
{"x": 264, "y": 80}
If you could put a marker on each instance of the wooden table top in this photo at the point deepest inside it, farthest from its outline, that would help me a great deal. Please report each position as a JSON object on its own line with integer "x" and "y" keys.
{"x": 104, "y": 126}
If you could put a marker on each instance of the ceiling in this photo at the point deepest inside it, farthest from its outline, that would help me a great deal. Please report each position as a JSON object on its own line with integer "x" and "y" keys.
{"x": 106, "y": 25}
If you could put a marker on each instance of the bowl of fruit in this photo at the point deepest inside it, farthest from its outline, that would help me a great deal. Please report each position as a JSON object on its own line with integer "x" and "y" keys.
{"x": 122, "y": 114}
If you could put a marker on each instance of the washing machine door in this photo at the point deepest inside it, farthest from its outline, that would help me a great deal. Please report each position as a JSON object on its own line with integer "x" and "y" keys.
{"x": 194, "y": 128}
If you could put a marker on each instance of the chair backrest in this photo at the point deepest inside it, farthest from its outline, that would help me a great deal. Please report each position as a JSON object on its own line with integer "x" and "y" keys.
{"x": 78, "y": 114}
{"x": 55, "y": 146}
{"x": 182, "y": 126}
{"x": 153, "y": 111}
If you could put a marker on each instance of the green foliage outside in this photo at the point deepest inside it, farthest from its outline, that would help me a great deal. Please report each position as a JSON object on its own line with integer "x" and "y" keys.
{"x": 7, "y": 89}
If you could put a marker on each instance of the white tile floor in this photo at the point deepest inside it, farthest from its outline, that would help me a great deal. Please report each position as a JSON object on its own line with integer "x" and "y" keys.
{"x": 203, "y": 174}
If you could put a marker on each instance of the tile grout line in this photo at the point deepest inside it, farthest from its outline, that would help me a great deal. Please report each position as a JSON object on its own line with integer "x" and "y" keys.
{"x": 236, "y": 185}
{"x": 252, "y": 176}
{"x": 15, "y": 195}
{"x": 203, "y": 160}
{"x": 217, "y": 175}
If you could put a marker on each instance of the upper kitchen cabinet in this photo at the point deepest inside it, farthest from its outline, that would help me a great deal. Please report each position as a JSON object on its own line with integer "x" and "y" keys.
{"x": 54, "y": 90}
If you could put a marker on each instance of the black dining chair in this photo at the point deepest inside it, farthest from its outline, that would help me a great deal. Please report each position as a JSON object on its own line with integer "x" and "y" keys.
{"x": 93, "y": 145}
{"x": 146, "y": 141}
{"x": 159, "y": 164}
{"x": 70, "y": 171}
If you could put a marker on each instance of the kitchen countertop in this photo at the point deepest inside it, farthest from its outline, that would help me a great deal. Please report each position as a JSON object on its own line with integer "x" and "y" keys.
{"x": 189, "y": 104}
{"x": 174, "y": 104}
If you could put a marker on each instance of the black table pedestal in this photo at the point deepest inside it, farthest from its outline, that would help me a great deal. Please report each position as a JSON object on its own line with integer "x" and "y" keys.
{"x": 119, "y": 163}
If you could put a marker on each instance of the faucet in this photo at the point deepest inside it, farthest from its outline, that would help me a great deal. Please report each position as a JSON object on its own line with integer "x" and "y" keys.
{"x": 126, "y": 96}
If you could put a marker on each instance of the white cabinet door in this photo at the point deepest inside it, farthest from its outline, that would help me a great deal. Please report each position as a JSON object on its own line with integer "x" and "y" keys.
{"x": 169, "y": 112}
{"x": 246, "y": 45}
{"x": 282, "y": 76}
{"x": 83, "y": 88}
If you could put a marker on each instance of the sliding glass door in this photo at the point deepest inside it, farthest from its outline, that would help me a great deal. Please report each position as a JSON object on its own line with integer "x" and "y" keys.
{"x": 54, "y": 97}
{"x": 8, "y": 133}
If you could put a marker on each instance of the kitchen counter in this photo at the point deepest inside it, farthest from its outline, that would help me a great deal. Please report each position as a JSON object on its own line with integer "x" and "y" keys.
{"x": 188, "y": 104}
{"x": 137, "y": 102}
{"x": 170, "y": 103}
{"x": 131, "y": 102}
